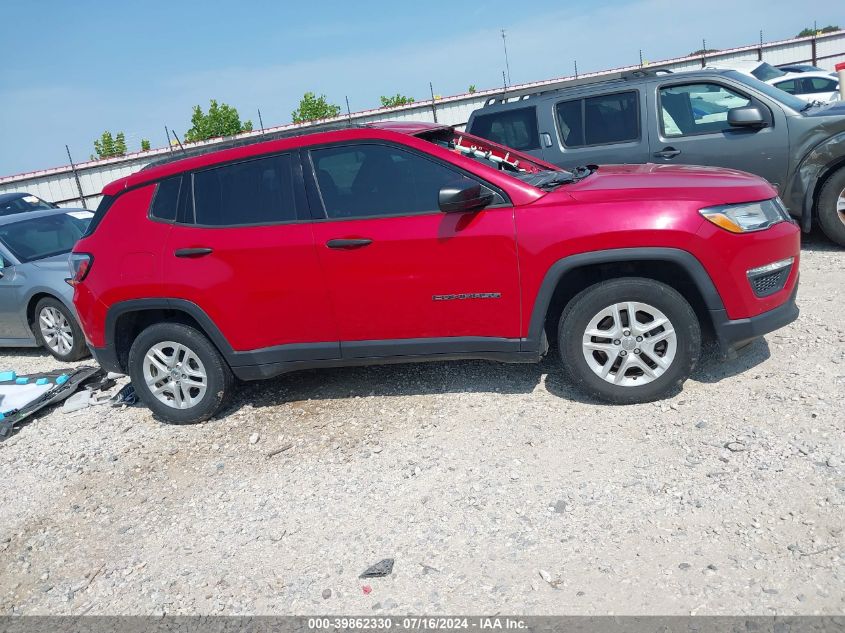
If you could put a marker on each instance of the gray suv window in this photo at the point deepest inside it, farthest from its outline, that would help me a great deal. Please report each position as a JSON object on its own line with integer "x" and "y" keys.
{"x": 612, "y": 118}
{"x": 700, "y": 108}
{"x": 514, "y": 128}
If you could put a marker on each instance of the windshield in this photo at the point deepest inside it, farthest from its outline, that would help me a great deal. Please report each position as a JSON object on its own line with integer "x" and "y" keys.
{"x": 770, "y": 91}
{"x": 765, "y": 71}
{"x": 37, "y": 238}
{"x": 24, "y": 203}
{"x": 504, "y": 159}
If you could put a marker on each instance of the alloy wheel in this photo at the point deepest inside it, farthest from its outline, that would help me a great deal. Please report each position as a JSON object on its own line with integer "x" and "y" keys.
{"x": 175, "y": 375}
{"x": 840, "y": 206}
{"x": 629, "y": 344}
{"x": 55, "y": 330}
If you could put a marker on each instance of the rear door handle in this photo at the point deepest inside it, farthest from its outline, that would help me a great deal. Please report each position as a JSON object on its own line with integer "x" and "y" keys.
{"x": 667, "y": 152}
{"x": 349, "y": 243}
{"x": 192, "y": 252}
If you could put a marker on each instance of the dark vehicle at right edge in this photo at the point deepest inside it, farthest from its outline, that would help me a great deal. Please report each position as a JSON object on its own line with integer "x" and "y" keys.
{"x": 708, "y": 117}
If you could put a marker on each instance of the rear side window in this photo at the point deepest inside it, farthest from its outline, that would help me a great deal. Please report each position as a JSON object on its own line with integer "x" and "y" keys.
{"x": 253, "y": 192}
{"x": 613, "y": 118}
{"x": 166, "y": 199}
{"x": 819, "y": 84}
{"x": 99, "y": 214}
{"x": 513, "y": 128}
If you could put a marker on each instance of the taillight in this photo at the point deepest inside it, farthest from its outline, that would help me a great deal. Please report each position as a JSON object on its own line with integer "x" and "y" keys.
{"x": 80, "y": 264}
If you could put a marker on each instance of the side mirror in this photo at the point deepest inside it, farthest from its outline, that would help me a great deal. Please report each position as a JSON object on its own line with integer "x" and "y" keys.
{"x": 469, "y": 197}
{"x": 747, "y": 116}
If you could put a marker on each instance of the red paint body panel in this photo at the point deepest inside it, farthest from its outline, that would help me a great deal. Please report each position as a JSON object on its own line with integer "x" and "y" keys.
{"x": 386, "y": 290}
{"x": 274, "y": 285}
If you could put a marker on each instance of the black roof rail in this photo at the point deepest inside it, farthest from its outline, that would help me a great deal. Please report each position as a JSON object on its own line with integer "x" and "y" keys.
{"x": 231, "y": 142}
{"x": 526, "y": 93}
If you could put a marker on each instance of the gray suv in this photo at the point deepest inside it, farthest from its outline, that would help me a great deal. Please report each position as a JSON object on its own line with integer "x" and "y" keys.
{"x": 707, "y": 117}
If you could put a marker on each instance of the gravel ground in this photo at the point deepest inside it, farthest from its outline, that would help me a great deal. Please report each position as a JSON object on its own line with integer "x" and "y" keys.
{"x": 496, "y": 488}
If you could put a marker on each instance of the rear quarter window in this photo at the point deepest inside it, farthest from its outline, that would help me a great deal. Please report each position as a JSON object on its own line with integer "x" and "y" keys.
{"x": 515, "y": 128}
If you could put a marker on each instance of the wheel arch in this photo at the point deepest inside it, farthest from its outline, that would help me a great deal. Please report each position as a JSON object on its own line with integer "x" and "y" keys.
{"x": 567, "y": 277}
{"x": 125, "y": 320}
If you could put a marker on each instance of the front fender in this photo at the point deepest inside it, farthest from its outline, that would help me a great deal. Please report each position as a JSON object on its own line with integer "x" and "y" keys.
{"x": 816, "y": 165}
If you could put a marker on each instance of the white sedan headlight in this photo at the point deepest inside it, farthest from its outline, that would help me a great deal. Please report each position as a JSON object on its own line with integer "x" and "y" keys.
{"x": 747, "y": 216}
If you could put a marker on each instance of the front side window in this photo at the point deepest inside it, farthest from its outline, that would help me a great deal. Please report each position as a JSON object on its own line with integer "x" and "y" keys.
{"x": 599, "y": 120}
{"x": 513, "y": 128}
{"x": 258, "y": 191}
{"x": 700, "y": 108}
{"x": 369, "y": 180}
{"x": 788, "y": 86}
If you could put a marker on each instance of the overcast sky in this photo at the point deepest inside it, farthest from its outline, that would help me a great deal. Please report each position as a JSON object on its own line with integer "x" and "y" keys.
{"x": 68, "y": 71}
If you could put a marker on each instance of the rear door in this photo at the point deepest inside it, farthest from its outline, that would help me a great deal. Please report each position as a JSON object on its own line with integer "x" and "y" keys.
{"x": 242, "y": 249}
{"x": 600, "y": 129}
{"x": 407, "y": 278}
{"x": 691, "y": 127}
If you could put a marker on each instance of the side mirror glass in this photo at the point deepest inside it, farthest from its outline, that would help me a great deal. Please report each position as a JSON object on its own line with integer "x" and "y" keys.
{"x": 747, "y": 116}
{"x": 470, "y": 197}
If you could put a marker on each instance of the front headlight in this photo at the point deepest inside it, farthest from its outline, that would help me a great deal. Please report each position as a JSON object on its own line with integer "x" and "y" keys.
{"x": 747, "y": 216}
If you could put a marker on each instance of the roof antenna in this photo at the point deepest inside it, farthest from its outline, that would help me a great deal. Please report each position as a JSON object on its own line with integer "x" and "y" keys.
{"x": 173, "y": 132}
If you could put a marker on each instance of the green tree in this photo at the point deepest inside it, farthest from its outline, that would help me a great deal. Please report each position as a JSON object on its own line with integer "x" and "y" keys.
{"x": 471, "y": 89}
{"x": 221, "y": 120}
{"x": 311, "y": 108}
{"x": 825, "y": 29}
{"x": 145, "y": 145}
{"x": 108, "y": 146}
{"x": 395, "y": 100}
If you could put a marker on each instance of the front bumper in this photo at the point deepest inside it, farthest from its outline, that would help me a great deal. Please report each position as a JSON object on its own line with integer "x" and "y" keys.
{"x": 733, "y": 334}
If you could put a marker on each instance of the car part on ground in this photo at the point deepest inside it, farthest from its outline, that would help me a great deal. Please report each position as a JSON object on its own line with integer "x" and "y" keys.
{"x": 407, "y": 242}
{"x": 64, "y": 384}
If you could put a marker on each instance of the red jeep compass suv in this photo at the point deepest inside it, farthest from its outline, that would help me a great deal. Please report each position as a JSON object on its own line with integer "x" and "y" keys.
{"x": 401, "y": 242}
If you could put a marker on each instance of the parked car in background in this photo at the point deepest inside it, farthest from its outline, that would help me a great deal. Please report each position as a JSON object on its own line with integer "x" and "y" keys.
{"x": 36, "y": 307}
{"x": 709, "y": 117}
{"x": 401, "y": 242}
{"x": 810, "y": 86}
{"x": 20, "y": 202}
{"x": 763, "y": 71}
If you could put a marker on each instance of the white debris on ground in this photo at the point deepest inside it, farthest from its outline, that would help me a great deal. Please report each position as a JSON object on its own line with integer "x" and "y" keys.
{"x": 495, "y": 488}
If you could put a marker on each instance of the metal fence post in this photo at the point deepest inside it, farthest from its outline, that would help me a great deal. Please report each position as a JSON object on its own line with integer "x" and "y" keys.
{"x": 433, "y": 106}
{"x": 76, "y": 177}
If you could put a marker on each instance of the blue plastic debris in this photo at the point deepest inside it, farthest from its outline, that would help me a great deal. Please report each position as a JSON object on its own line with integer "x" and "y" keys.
{"x": 62, "y": 379}
{"x": 6, "y": 376}
{"x": 42, "y": 381}
{"x": 21, "y": 381}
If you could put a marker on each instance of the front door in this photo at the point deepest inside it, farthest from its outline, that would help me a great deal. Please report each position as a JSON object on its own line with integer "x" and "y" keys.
{"x": 691, "y": 127}
{"x": 243, "y": 251}
{"x": 405, "y": 277}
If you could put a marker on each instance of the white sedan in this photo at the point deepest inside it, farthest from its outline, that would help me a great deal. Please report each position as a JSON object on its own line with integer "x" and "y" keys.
{"x": 810, "y": 86}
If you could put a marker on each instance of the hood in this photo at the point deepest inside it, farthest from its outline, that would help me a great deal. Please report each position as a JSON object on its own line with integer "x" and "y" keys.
{"x": 56, "y": 262}
{"x": 709, "y": 185}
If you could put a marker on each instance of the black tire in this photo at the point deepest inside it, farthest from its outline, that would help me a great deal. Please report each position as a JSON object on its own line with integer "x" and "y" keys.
{"x": 590, "y": 302}
{"x": 218, "y": 375}
{"x": 831, "y": 220}
{"x": 78, "y": 348}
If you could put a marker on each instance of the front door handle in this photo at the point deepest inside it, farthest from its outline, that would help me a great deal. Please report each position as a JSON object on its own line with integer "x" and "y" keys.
{"x": 349, "y": 243}
{"x": 192, "y": 252}
{"x": 667, "y": 152}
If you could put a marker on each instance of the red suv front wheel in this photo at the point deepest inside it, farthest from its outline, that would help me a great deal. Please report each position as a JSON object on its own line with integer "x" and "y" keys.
{"x": 629, "y": 340}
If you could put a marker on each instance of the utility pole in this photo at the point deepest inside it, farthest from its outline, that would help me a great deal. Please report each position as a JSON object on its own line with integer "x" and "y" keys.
{"x": 507, "y": 63}
{"x": 76, "y": 177}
